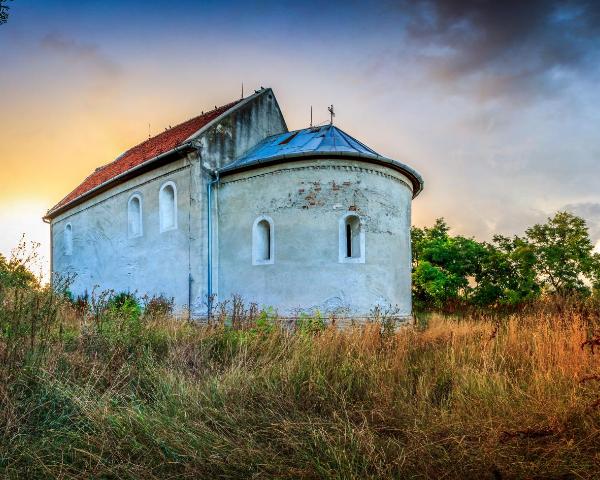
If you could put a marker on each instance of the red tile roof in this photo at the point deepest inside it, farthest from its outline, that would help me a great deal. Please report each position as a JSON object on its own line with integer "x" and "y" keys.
{"x": 146, "y": 150}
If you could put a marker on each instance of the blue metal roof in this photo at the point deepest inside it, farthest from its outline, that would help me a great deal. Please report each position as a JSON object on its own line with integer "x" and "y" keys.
{"x": 325, "y": 141}
{"x": 317, "y": 139}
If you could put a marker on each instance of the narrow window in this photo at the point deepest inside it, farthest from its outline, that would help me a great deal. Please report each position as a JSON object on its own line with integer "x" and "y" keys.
{"x": 351, "y": 240}
{"x": 353, "y": 237}
{"x": 167, "y": 200}
{"x": 348, "y": 240}
{"x": 68, "y": 239}
{"x": 262, "y": 241}
{"x": 134, "y": 216}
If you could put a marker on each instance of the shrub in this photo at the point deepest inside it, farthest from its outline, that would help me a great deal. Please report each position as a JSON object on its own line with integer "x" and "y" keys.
{"x": 158, "y": 306}
{"x": 310, "y": 324}
{"x": 125, "y": 304}
{"x": 117, "y": 320}
{"x": 16, "y": 270}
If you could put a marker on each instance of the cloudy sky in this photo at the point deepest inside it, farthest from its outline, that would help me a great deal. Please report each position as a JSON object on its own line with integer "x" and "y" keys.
{"x": 498, "y": 107}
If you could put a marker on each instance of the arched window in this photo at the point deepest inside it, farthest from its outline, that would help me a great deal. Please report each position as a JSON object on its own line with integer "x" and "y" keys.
{"x": 262, "y": 241}
{"x": 167, "y": 205}
{"x": 351, "y": 239}
{"x": 68, "y": 238}
{"x": 134, "y": 216}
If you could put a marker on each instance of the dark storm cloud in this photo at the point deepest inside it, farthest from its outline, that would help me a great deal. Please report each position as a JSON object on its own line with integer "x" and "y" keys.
{"x": 506, "y": 47}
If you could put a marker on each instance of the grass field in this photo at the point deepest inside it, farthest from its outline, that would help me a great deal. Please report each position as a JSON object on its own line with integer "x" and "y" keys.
{"x": 111, "y": 394}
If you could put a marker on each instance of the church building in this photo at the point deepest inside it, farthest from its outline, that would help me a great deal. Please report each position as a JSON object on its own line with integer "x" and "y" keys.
{"x": 231, "y": 202}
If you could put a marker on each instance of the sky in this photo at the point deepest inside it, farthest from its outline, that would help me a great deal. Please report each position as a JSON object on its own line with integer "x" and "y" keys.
{"x": 496, "y": 104}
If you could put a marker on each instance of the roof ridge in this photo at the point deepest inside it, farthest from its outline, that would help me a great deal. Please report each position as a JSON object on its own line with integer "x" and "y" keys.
{"x": 357, "y": 141}
{"x": 197, "y": 117}
{"x": 146, "y": 150}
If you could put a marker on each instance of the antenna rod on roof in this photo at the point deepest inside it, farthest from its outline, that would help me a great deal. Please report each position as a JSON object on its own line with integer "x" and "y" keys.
{"x": 311, "y": 116}
{"x": 242, "y": 89}
{"x": 148, "y": 130}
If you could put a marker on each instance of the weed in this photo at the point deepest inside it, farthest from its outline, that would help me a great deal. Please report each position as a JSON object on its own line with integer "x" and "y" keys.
{"x": 114, "y": 391}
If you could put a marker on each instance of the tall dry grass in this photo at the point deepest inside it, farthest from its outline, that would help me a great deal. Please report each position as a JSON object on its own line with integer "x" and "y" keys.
{"x": 96, "y": 397}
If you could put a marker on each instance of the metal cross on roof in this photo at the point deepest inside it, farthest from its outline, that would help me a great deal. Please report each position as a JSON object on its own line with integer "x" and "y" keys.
{"x": 331, "y": 113}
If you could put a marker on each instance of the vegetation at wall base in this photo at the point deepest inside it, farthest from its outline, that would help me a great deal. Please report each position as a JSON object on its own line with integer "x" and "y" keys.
{"x": 117, "y": 392}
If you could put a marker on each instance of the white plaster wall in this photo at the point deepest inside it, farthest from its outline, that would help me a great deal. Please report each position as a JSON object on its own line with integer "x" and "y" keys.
{"x": 305, "y": 200}
{"x": 104, "y": 255}
{"x": 155, "y": 263}
{"x": 223, "y": 143}
{"x": 241, "y": 130}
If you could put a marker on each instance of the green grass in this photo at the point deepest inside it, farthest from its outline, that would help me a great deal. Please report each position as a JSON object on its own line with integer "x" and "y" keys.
{"x": 118, "y": 395}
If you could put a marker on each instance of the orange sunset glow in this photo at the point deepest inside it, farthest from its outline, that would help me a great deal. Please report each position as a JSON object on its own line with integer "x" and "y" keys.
{"x": 500, "y": 143}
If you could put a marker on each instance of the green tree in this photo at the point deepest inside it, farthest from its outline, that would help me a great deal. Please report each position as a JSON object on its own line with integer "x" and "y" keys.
{"x": 3, "y": 11}
{"x": 16, "y": 271}
{"x": 443, "y": 266}
{"x": 15, "y": 274}
{"x": 565, "y": 261}
{"x": 507, "y": 275}
{"x": 554, "y": 257}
